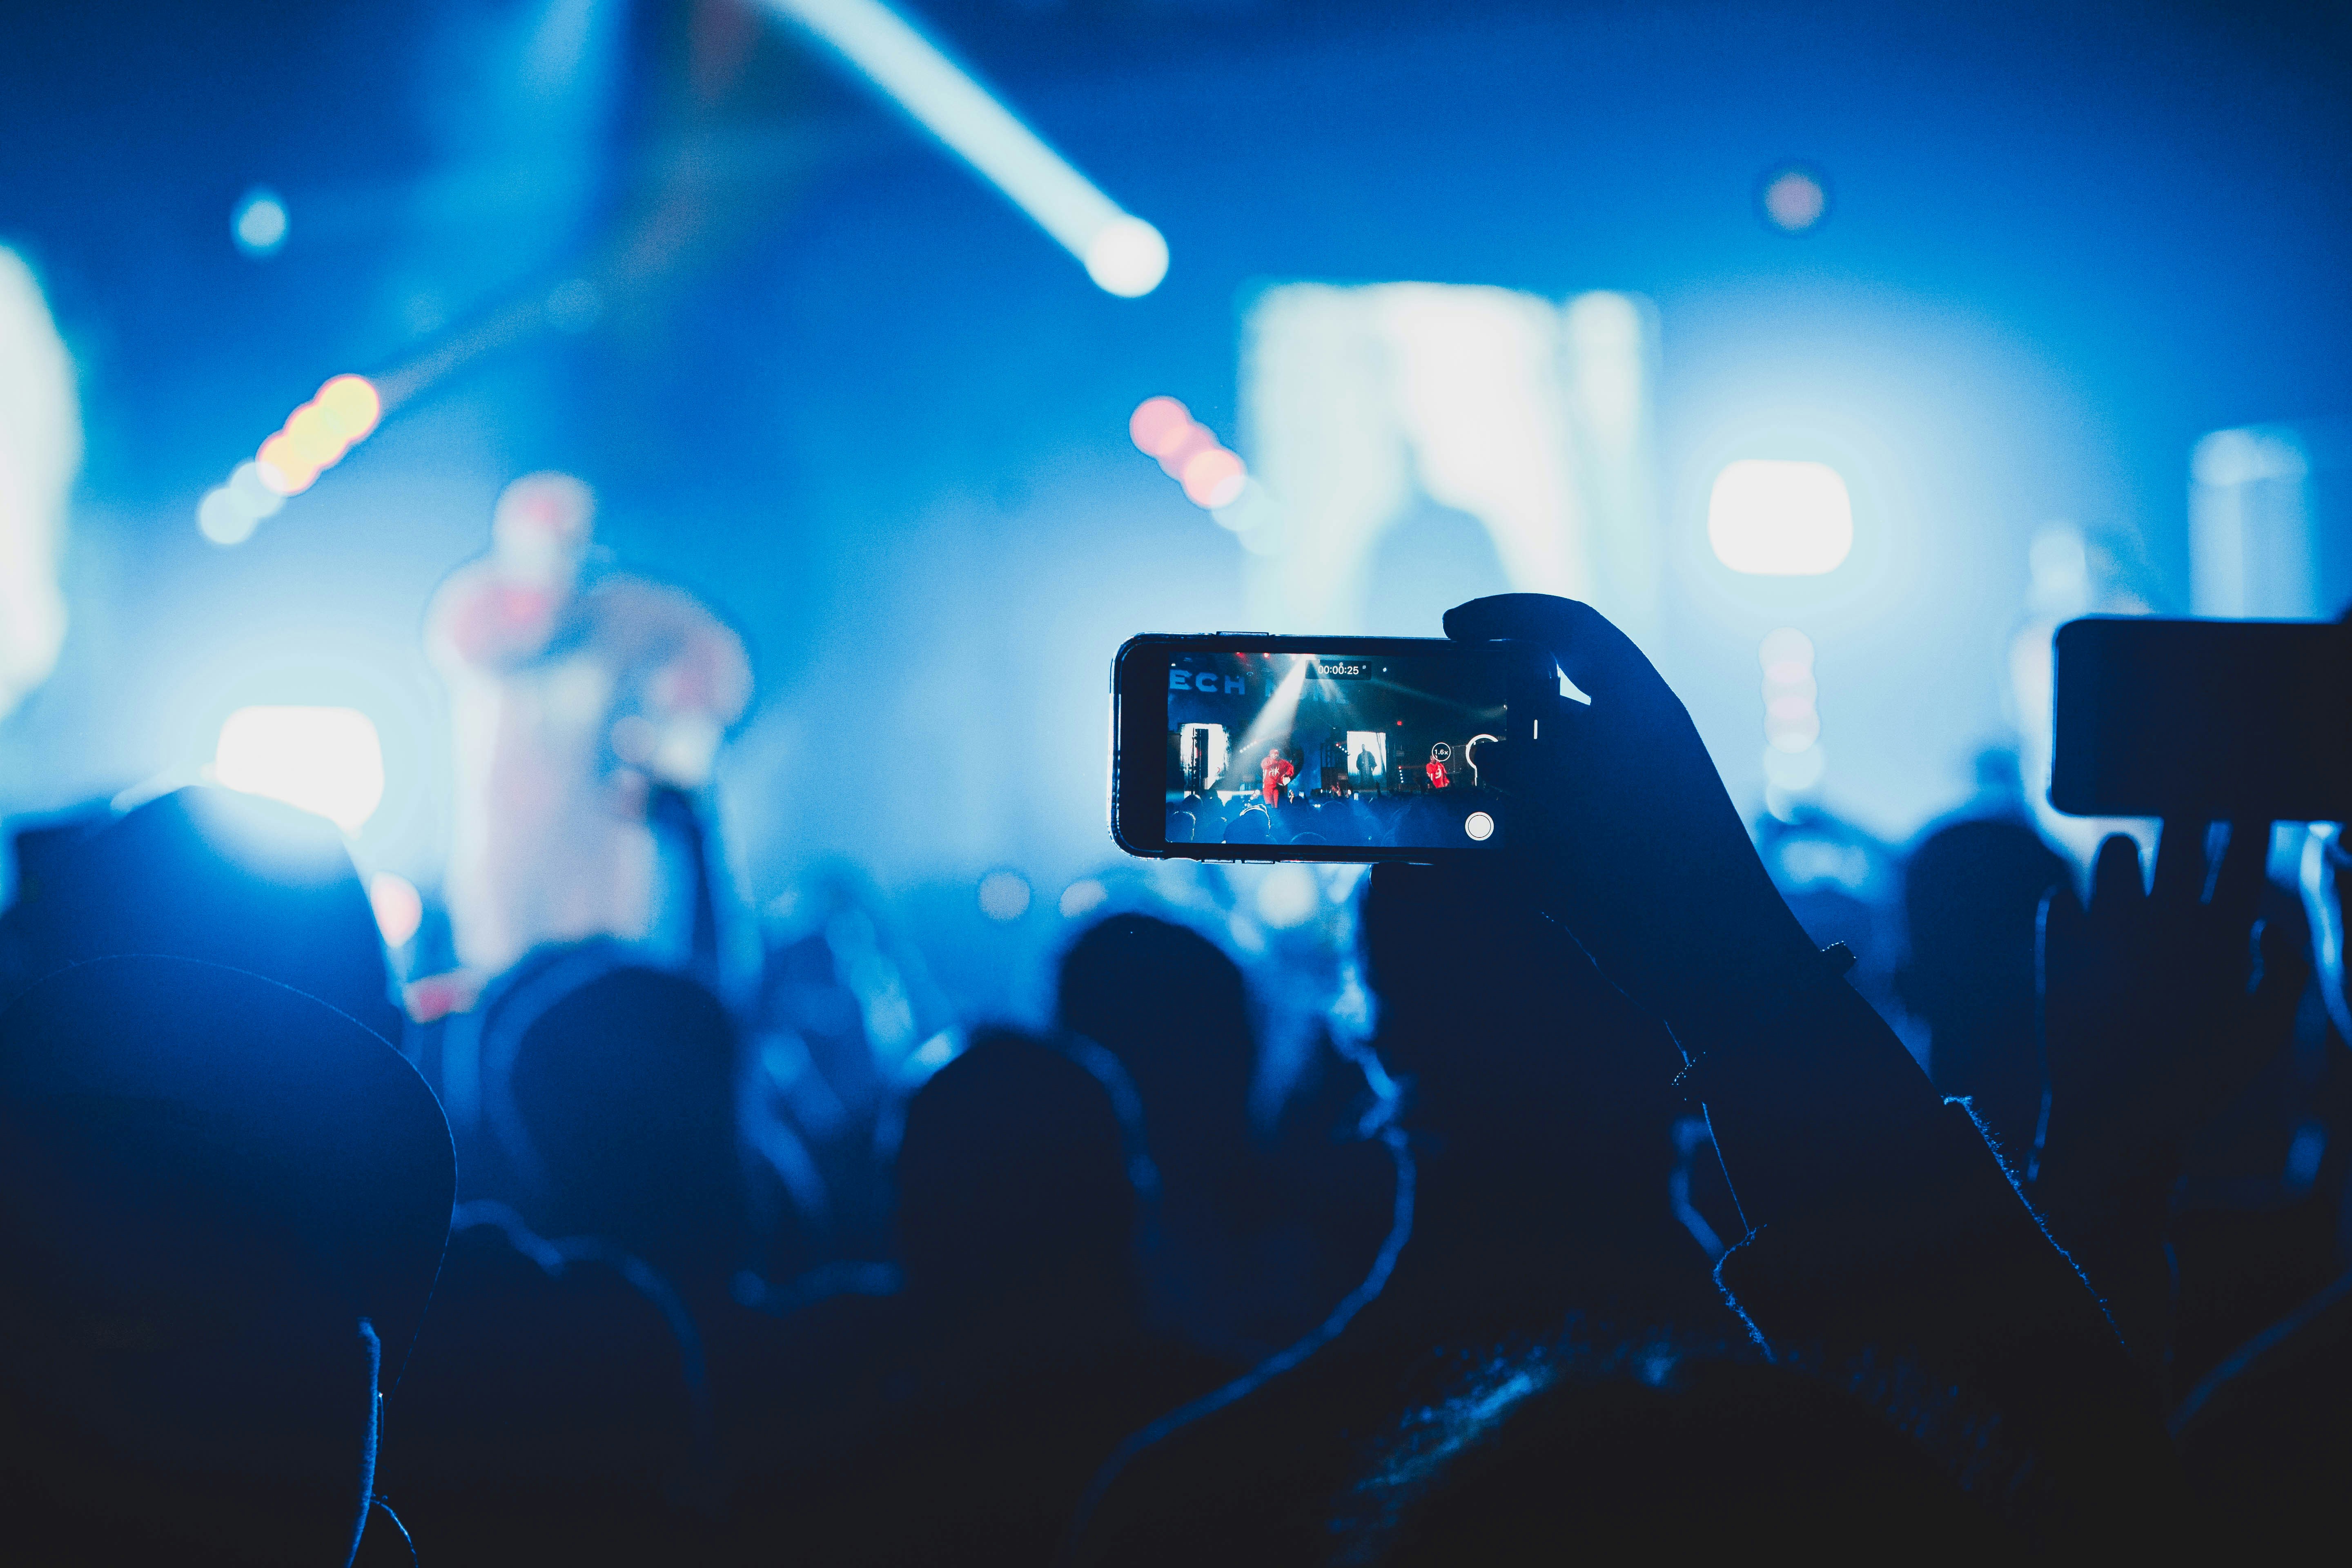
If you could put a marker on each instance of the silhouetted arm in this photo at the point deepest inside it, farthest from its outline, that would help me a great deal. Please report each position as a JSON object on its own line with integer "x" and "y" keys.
{"x": 1879, "y": 1220}
{"x": 2158, "y": 1012}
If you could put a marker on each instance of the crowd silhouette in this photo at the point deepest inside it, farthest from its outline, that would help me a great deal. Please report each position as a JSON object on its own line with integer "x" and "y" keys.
{"x": 1634, "y": 1226}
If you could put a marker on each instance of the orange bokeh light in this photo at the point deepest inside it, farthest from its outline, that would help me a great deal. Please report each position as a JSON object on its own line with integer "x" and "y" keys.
{"x": 353, "y": 404}
{"x": 314, "y": 433}
{"x": 1213, "y": 478}
{"x": 1157, "y": 425}
{"x": 284, "y": 467}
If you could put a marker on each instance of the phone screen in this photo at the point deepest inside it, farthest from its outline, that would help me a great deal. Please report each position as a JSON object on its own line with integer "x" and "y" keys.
{"x": 1351, "y": 750}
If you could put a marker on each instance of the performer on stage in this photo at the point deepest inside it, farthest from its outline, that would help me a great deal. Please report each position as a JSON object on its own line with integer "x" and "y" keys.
{"x": 1274, "y": 773}
{"x": 572, "y": 701}
{"x": 1438, "y": 755}
{"x": 1335, "y": 766}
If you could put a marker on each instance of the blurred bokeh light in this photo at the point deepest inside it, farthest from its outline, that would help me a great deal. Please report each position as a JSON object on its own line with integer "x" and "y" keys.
{"x": 322, "y": 760}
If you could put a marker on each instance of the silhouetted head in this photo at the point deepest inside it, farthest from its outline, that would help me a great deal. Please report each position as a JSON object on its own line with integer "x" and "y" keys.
{"x": 617, "y": 1108}
{"x": 1169, "y": 1003}
{"x": 1539, "y": 1099}
{"x": 1013, "y": 1178}
{"x": 214, "y": 875}
{"x": 542, "y": 527}
{"x": 222, "y": 1207}
{"x": 1972, "y": 892}
{"x": 549, "y": 1412}
{"x": 1483, "y": 1001}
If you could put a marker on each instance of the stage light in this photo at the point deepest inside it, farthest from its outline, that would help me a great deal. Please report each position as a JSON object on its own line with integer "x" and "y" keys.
{"x": 1082, "y": 898}
{"x": 1214, "y": 478}
{"x": 230, "y": 512}
{"x": 1794, "y": 199}
{"x": 1793, "y": 763}
{"x": 1281, "y": 709}
{"x": 354, "y": 406}
{"x": 1127, "y": 258}
{"x": 246, "y": 484}
{"x": 1187, "y": 445}
{"x": 1792, "y": 732}
{"x": 223, "y": 518}
{"x": 314, "y": 438}
{"x": 1123, "y": 254}
{"x": 1793, "y": 773}
{"x": 284, "y": 467}
{"x": 1189, "y": 453}
{"x": 1004, "y": 895}
{"x": 1156, "y": 425}
{"x": 399, "y": 908}
{"x": 314, "y": 435}
{"x": 322, "y": 760}
{"x": 1286, "y": 896}
{"x": 1772, "y": 519}
{"x": 1786, "y": 654}
{"x": 259, "y": 224}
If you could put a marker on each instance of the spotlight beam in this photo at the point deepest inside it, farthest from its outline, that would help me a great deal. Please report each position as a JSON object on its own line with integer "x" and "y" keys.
{"x": 1123, "y": 254}
{"x": 1281, "y": 710}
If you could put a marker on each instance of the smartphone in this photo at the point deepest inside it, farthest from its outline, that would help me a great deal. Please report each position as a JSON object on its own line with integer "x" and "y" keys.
{"x": 2237, "y": 721}
{"x": 1241, "y": 747}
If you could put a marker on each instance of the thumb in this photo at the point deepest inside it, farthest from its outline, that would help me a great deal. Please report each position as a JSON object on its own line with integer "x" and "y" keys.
{"x": 2116, "y": 889}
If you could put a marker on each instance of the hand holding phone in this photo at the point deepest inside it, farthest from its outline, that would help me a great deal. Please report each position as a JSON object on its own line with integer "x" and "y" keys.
{"x": 1627, "y": 833}
{"x": 1609, "y": 816}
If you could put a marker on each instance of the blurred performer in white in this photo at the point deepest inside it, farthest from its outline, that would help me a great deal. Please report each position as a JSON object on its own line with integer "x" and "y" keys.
{"x": 41, "y": 448}
{"x": 573, "y": 698}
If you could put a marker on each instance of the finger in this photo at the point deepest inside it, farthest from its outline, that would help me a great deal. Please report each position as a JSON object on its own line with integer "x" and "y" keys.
{"x": 2180, "y": 863}
{"x": 2286, "y": 957}
{"x": 2238, "y": 885}
{"x": 1599, "y": 658}
{"x": 2278, "y": 993}
{"x": 2114, "y": 877}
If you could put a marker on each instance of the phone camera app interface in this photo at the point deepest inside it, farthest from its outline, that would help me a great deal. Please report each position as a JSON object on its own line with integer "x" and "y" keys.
{"x": 1285, "y": 749}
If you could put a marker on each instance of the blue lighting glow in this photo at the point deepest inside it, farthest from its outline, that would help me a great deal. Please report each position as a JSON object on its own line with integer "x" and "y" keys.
{"x": 1123, "y": 254}
{"x": 1779, "y": 519}
{"x": 260, "y": 223}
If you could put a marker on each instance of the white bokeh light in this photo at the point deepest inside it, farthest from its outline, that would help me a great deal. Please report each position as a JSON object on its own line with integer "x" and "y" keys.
{"x": 1775, "y": 519}
{"x": 1288, "y": 897}
{"x": 323, "y": 759}
{"x": 260, "y": 223}
{"x": 1004, "y": 895}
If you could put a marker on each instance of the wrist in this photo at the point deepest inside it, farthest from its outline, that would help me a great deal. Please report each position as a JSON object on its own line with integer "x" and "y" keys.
{"x": 1738, "y": 997}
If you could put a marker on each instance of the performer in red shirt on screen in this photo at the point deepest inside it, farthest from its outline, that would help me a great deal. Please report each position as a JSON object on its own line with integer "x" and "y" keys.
{"x": 1274, "y": 773}
{"x": 1436, "y": 768}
